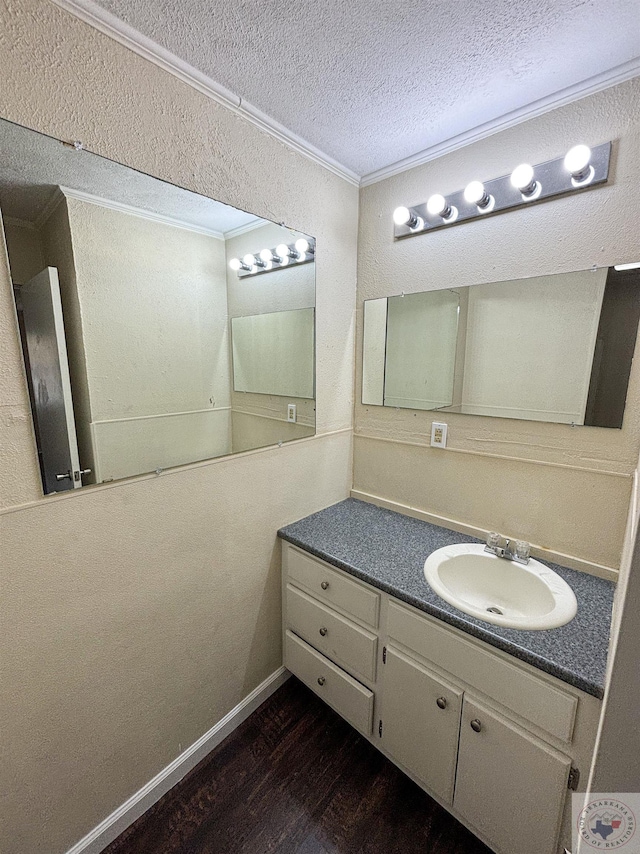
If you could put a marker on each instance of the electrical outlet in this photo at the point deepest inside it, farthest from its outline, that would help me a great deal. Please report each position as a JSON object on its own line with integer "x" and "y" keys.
{"x": 438, "y": 434}
{"x": 291, "y": 413}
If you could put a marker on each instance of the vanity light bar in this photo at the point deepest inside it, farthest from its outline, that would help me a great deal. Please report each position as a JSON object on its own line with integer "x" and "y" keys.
{"x": 581, "y": 168}
{"x": 267, "y": 260}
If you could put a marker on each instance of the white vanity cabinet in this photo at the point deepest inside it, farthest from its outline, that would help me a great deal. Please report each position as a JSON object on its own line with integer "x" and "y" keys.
{"x": 330, "y": 636}
{"x": 421, "y": 722}
{"x": 510, "y": 785}
{"x": 491, "y": 738}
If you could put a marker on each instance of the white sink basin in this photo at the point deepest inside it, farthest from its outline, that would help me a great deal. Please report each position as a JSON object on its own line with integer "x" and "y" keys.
{"x": 500, "y": 591}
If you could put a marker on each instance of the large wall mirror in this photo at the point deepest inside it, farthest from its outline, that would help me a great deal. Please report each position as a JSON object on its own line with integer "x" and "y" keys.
{"x": 550, "y": 348}
{"x": 143, "y": 348}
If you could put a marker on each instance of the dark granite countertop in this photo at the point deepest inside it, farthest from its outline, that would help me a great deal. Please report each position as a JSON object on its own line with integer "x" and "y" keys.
{"x": 388, "y": 550}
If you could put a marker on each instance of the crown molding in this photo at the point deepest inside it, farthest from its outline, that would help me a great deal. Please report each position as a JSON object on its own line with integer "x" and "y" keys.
{"x": 249, "y": 226}
{"x": 94, "y": 15}
{"x": 121, "y": 207}
{"x": 591, "y": 86}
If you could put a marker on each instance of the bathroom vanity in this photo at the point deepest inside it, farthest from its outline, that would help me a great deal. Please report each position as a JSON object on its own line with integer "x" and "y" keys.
{"x": 495, "y": 724}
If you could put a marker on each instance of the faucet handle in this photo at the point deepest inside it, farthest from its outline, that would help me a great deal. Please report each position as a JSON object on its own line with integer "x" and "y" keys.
{"x": 523, "y": 549}
{"x": 493, "y": 540}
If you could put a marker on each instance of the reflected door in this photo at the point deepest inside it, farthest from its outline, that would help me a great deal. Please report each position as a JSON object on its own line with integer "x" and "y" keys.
{"x": 49, "y": 369}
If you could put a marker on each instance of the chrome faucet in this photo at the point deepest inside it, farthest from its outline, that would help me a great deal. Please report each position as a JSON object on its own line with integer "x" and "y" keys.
{"x": 520, "y": 553}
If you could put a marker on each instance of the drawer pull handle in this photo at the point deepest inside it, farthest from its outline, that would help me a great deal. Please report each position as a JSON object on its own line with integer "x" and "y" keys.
{"x": 476, "y": 726}
{"x": 324, "y": 585}
{"x": 441, "y": 702}
{"x": 323, "y": 631}
{"x": 321, "y": 680}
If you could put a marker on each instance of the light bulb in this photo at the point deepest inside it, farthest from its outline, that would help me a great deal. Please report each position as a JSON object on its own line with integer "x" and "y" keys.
{"x": 577, "y": 158}
{"x": 577, "y": 162}
{"x": 302, "y": 245}
{"x": 401, "y": 216}
{"x": 282, "y": 250}
{"x": 437, "y": 206}
{"x": 266, "y": 255}
{"x": 475, "y": 194}
{"x": 235, "y": 264}
{"x": 404, "y": 216}
{"x": 522, "y": 178}
{"x": 249, "y": 259}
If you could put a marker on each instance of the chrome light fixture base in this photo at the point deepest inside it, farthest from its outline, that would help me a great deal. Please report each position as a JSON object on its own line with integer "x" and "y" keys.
{"x": 551, "y": 178}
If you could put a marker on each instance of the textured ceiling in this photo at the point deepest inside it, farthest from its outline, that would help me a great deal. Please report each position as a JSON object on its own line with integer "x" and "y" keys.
{"x": 33, "y": 165}
{"x": 371, "y": 82}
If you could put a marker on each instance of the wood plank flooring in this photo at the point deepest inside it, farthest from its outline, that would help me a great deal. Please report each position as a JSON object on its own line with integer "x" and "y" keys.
{"x": 294, "y": 778}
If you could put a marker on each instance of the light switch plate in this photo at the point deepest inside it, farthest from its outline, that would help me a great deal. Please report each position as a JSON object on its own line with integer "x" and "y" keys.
{"x": 438, "y": 434}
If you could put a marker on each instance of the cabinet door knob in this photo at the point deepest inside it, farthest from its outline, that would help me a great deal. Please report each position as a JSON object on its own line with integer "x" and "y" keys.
{"x": 441, "y": 702}
{"x": 321, "y": 680}
{"x": 323, "y": 631}
{"x": 324, "y": 585}
{"x": 476, "y": 726}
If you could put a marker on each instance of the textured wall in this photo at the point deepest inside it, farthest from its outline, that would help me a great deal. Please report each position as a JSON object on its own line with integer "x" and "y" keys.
{"x": 135, "y": 615}
{"x": 565, "y": 488}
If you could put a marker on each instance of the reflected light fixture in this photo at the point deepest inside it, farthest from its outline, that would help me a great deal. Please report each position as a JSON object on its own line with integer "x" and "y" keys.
{"x": 269, "y": 260}
{"x": 580, "y": 168}
{"x": 251, "y": 261}
{"x": 303, "y": 246}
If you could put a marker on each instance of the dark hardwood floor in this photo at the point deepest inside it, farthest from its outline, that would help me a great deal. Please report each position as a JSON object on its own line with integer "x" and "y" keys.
{"x": 294, "y": 777}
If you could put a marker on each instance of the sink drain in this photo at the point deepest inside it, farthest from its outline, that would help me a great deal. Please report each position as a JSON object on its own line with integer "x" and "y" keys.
{"x": 494, "y": 610}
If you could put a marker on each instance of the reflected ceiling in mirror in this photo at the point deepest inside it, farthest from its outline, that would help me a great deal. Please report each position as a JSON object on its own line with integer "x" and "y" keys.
{"x": 553, "y": 348}
{"x": 125, "y": 302}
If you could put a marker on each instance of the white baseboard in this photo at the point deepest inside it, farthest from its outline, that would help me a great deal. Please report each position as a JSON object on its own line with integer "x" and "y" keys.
{"x": 112, "y": 826}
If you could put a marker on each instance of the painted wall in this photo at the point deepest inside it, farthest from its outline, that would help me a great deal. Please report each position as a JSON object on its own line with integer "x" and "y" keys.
{"x": 260, "y": 419}
{"x": 135, "y": 615}
{"x": 565, "y": 489}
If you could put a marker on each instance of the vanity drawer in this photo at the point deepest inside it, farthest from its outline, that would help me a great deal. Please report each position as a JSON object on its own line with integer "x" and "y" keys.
{"x": 343, "y": 693}
{"x": 337, "y": 637}
{"x": 332, "y": 587}
{"x": 532, "y": 698}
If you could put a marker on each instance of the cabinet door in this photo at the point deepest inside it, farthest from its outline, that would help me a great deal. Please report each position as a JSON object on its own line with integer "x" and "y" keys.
{"x": 509, "y": 785}
{"x": 420, "y": 722}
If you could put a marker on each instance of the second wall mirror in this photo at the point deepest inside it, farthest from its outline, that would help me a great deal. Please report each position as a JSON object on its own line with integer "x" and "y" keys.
{"x": 550, "y": 348}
